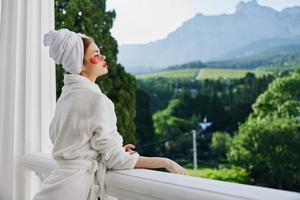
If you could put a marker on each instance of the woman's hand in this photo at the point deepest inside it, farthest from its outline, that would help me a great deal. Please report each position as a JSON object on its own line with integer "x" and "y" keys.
{"x": 173, "y": 167}
{"x": 159, "y": 162}
{"x": 128, "y": 148}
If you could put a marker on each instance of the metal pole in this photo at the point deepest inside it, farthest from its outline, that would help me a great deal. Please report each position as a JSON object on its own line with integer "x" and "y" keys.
{"x": 195, "y": 152}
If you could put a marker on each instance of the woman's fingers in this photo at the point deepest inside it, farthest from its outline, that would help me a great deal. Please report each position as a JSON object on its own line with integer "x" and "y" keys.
{"x": 176, "y": 168}
{"x": 131, "y": 146}
{"x": 128, "y": 148}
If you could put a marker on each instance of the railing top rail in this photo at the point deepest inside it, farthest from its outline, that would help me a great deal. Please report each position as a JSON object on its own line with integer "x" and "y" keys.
{"x": 153, "y": 184}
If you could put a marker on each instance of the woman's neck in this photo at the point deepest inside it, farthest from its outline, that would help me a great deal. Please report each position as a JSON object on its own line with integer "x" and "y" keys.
{"x": 91, "y": 78}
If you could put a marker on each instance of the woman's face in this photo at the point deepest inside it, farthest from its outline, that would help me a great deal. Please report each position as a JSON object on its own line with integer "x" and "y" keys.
{"x": 94, "y": 63}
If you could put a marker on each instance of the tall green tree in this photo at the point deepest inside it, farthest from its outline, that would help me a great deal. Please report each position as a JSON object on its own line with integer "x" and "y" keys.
{"x": 144, "y": 125}
{"x": 91, "y": 18}
{"x": 268, "y": 143}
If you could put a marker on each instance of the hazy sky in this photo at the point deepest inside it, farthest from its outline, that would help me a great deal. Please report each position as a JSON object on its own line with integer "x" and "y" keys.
{"x": 142, "y": 21}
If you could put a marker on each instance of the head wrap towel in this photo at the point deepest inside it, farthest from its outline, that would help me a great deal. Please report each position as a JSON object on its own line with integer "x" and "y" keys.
{"x": 66, "y": 49}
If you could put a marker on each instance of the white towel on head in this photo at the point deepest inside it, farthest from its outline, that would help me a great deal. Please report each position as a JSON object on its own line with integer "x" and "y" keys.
{"x": 66, "y": 49}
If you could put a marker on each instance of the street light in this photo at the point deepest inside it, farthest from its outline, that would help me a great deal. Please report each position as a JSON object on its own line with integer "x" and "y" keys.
{"x": 204, "y": 125}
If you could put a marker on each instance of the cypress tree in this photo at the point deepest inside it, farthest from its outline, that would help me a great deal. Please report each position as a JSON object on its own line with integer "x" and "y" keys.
{"x": 91, "y": 18}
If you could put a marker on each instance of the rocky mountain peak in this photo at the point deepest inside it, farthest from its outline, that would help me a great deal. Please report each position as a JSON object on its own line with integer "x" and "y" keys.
{"x": 252, "y": 7}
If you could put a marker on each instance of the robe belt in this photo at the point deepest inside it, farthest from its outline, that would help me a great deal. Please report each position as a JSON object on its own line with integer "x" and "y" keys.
{"x": 93, "y": 166}
{"x": 89, "y": 164}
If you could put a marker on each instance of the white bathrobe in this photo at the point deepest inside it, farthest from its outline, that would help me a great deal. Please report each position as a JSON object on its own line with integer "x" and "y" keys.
{"x": 86, "y": 143}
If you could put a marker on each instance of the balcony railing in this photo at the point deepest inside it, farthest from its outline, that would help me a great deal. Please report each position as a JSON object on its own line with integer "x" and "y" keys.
{"x": 150, "y": 184}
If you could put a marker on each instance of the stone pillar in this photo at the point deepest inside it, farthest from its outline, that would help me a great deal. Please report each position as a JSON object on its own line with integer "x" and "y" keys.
{"x": 27, "y": 90}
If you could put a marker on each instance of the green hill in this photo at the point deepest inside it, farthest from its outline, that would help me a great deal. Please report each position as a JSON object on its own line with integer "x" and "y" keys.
{"x": 171, "y": 74}
{"x": 212, "y": 73}
{"x": 190, "y": 65}
{"x": 206, "y": 73}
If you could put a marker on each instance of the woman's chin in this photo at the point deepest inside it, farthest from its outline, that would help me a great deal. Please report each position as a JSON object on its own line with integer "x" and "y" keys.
{"x": 103, "y": 72}
{"x": 106, "y": 69}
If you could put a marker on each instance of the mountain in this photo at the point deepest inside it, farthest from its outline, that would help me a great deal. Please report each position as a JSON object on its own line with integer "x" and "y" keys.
{"x": 209, "y": 38}
{"x": 190, "y": 65}
{"x": 283, "y": 57}
{"x": 261, "y": 46}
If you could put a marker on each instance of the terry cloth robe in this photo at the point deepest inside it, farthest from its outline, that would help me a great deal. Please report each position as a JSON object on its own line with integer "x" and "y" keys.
{"x": 85, "y": 143}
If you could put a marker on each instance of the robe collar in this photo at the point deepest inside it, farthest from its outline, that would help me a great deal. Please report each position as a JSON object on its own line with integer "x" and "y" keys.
{"x": 79, "y": 80}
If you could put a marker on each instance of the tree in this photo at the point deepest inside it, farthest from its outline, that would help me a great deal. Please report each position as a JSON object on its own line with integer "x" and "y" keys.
{"x": 91, "y": 18}
{"x": 172, "y": 129}
{"x": 268, "y": 143}
{"x": 144, "y": 124}
{"x": 220, "y": 144}
{"x": 269, "y": 148}
{"x": 281, "y": 99}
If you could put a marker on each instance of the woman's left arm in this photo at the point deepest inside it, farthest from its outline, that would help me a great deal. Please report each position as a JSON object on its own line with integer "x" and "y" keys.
{"x": 107, "y": 141}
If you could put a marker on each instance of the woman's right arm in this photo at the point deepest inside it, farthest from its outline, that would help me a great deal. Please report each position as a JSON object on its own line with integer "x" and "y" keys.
{"x": 159, "y": 162}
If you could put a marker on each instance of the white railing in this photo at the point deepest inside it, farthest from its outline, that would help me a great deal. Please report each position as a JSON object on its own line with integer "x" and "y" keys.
{"x": 151, "y": 184}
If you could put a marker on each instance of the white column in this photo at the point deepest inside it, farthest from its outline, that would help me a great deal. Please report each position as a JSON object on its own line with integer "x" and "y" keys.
{"x": 27, "y": 90}
{"x": 0, "y": 12}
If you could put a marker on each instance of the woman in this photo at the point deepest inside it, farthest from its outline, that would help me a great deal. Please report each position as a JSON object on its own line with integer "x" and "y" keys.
{"x": 83, "y": 130}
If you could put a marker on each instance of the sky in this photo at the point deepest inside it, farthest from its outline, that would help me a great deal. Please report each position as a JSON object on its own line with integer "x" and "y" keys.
{"x": 143, "y": 21}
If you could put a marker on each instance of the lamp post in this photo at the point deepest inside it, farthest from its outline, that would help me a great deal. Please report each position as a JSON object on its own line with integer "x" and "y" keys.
{"x": 195, "y": 151}
{"x": 204, "y": 125}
